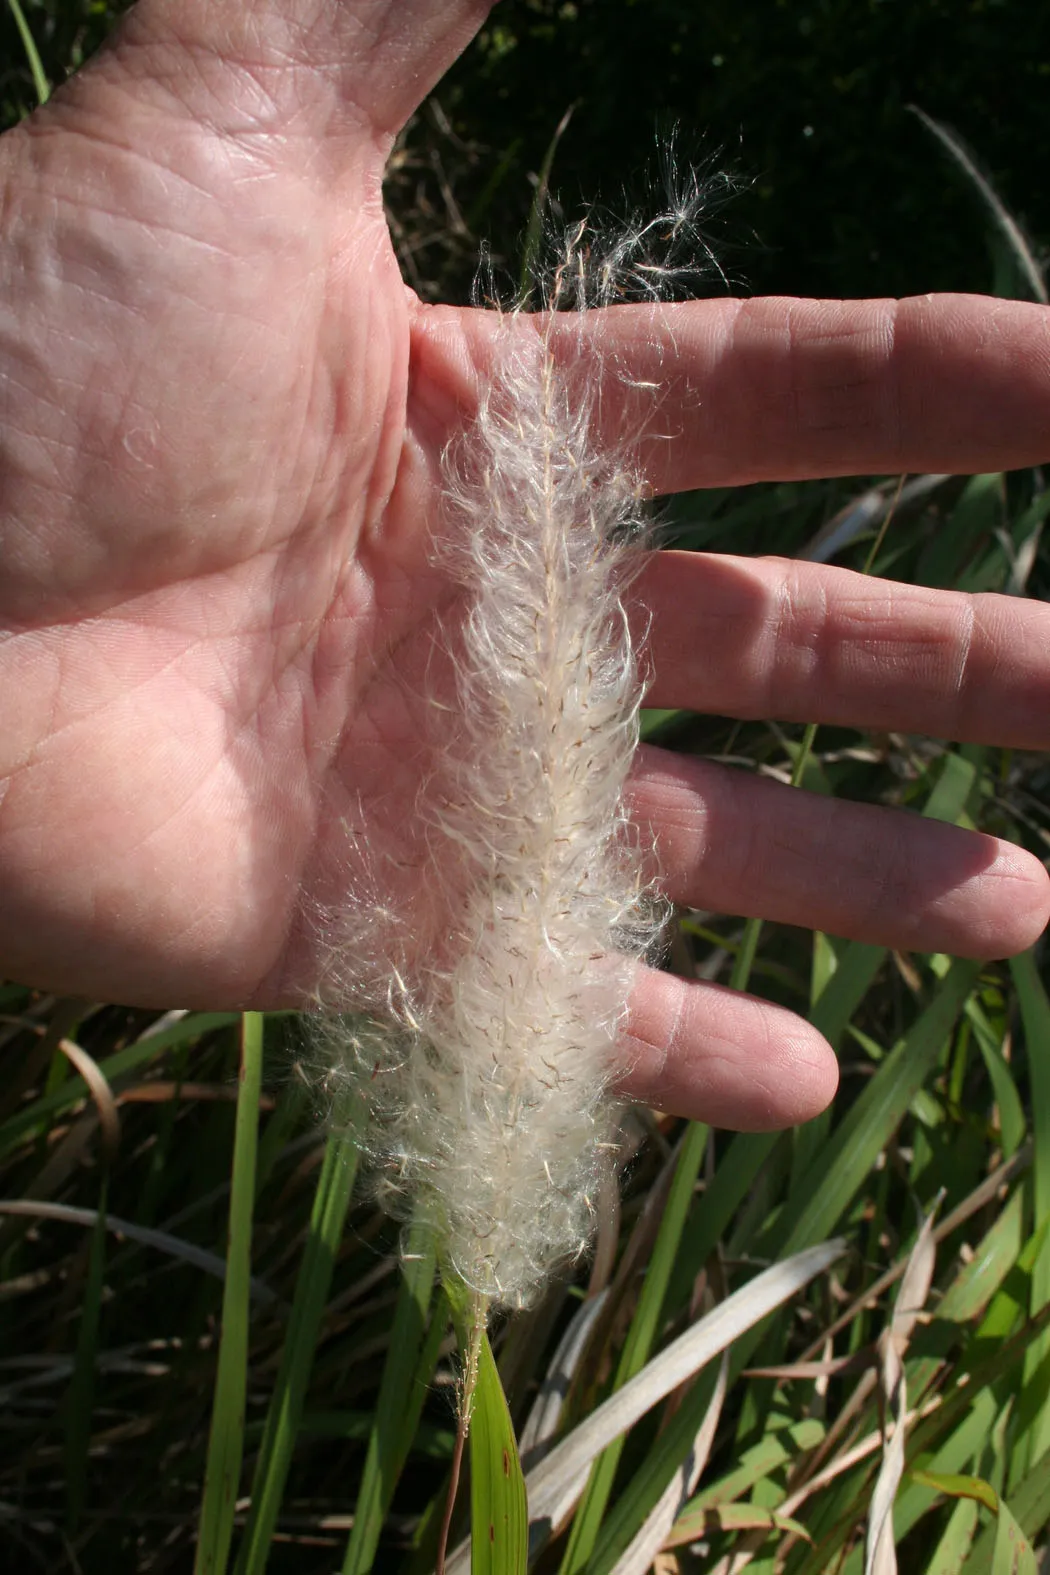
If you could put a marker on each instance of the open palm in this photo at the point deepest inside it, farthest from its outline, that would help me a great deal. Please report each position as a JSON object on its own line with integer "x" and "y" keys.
{"x": 223, "y": 417}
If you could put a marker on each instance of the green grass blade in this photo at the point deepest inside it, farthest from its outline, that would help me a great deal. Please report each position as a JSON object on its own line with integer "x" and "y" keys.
{"x": 331, "y": 1201}
{"x": 1012, "y": 1552}
{"x": 733, "y": 1179}
{"x": 818, "y": 1204}
{"x": 954, "y": 1545}
{"x": 849, "y": 984}
{"x": 1005, "y": 1547}
{"x": 1012, "y": 1122}
{"x": 956, "y": 793}
{"x": 40, "y": 82}
{"x": 1030, "y": 1502}
{"x": 974, "y": 519}
{"x": 653, "y": 721}
{"x": 858, "y": 962}
{"x": 226, "y": 1440}
{"x": 1035, "y": 1017}
{"x": 832, "y": 1182}
{"x": 1008, "y": 562}
{"x": 1005, "y": 1312}
{"x": 400, "y": 1401}
{"x": 978, "y": 1372}
{"x": 958, "y": 1457}
{"x": 744, "y": 960}
{"x": 835, "y": 999}
{"x": 957, "y": 1485}
{"x": 748, "y": 1151}
{"x": 858, "y": 965}
{"x": 80, "y": 1399}
{"x": 288, "y": 1115}
{"x": 499, "y": 1521}
{"x": 995, "y": 1255}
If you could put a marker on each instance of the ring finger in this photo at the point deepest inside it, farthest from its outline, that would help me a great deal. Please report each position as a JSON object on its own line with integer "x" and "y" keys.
{"x": 747, "y": 845}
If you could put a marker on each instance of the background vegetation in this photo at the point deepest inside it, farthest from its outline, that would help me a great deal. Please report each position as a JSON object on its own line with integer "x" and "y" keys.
{"x": 133, "y": 1170}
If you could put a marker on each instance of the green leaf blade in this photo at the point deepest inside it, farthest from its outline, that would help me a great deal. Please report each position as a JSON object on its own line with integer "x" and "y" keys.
{"x": 226, "y": 1439}
{"x": 499, "y": 1519}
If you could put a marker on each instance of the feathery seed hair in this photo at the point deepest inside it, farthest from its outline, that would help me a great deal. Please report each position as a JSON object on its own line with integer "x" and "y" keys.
{"x": 486, "y": 1065}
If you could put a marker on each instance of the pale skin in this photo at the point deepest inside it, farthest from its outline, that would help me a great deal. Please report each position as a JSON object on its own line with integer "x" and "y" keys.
{"x": 220, "y": 437}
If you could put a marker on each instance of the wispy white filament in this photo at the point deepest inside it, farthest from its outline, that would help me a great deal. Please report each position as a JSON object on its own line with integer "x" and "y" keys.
{"x": 487, "y": 1069}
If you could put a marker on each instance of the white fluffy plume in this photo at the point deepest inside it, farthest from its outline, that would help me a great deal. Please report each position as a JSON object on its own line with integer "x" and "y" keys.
{"x": 486, "y": 1068}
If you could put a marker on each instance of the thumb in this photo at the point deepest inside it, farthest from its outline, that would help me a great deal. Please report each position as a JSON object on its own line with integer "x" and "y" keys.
{"x": 319, "y": 66}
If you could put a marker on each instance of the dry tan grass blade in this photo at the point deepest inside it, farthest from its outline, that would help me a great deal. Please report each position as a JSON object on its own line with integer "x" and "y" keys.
{"x": 144, "y": 1235}
{"x": 652, "y": 1535}
{"x": 545, "y": 1415}
{"x": 880, "y": 1552}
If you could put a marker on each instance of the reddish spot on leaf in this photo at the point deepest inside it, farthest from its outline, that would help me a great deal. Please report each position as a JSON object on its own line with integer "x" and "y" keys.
{"x": 506, "y": 1464}
{"x": 492, "y": 1532}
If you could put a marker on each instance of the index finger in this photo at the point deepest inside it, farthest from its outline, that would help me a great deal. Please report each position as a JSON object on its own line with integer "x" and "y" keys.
{"x": 725, "y": 392}
{"x": 773, "y": 389}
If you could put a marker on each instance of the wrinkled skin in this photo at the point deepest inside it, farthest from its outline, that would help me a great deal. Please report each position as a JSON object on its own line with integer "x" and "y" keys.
{"x": 222, "y": 420}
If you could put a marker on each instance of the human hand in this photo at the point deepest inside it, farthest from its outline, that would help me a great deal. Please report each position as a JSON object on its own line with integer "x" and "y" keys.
{"x": 223, "y": 416}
